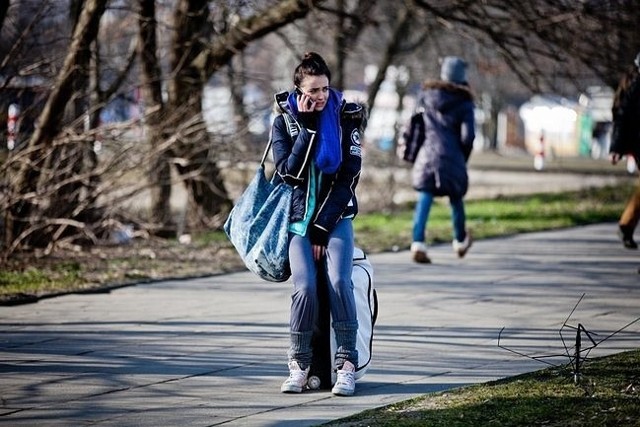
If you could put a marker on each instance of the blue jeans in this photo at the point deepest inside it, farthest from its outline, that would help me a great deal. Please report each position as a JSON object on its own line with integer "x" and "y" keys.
{"x": 421, "y": 217}
{"x": 338, "y": 262}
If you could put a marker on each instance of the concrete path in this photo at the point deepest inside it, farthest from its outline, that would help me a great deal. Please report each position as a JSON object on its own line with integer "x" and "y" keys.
{"x": 211, "y": 351}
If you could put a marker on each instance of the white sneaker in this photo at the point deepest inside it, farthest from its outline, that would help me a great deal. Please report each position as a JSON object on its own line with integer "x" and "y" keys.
{"x": 346, "y": 382}
{"x": 461, "y": 248}
{"x": 297, "y": 379}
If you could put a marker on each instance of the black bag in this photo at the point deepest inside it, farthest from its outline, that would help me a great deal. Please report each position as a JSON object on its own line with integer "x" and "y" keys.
{"x": 411, "y": 138}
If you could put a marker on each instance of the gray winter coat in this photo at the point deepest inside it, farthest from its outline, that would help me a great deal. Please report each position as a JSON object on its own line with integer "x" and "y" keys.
{"x": 441, "y": 164}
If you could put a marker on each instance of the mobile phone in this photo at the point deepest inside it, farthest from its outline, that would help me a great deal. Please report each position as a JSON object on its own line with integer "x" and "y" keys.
{"x": 299, "y": 93}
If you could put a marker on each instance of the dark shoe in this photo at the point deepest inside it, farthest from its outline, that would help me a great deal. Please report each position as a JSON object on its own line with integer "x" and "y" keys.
{"x": 461, "y": 248}
{"x": 626, "y": 234}
{"x": 419, "y": 251}
{"x": 421, "y": 257}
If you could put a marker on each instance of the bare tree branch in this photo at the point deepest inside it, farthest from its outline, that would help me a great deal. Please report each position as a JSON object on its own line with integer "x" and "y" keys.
{"x": 4, "y": 7}
{"x": 17, "y": 45}
{"x": 252, "y": 28}
{"x": 51, "y": 116}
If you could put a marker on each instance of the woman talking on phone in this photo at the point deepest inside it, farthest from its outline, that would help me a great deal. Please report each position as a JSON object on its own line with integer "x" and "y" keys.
{"x": 316, "y": 149}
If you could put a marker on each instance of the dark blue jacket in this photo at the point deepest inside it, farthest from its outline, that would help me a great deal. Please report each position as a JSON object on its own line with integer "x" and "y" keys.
{"x": 293, "y": 152}
{"x": 441, "y": 163}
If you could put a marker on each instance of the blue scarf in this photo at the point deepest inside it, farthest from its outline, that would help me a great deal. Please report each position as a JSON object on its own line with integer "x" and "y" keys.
{"x": 328, "y": 153}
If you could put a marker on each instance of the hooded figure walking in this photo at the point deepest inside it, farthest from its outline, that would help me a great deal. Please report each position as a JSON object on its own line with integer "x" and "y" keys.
{"x": 440, "y": 167}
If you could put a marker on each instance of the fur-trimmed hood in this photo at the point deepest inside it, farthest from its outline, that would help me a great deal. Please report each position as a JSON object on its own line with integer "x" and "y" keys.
{"x": 442, "y": 96}
{"x": 448, "y": 86}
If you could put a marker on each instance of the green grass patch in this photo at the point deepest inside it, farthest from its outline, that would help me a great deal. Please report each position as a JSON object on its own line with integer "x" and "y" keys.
{"x": 375, "y": 232}
{"x": 211, "y": 237}
{"x": 378, "y": 232}
{"x": 606, "y": 395}
{"x": 34, "y": 281}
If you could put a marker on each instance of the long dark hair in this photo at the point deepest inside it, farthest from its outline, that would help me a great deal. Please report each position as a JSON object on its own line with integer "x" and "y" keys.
{"x": 624, "y": 84}
{"x": 312, "y": 65}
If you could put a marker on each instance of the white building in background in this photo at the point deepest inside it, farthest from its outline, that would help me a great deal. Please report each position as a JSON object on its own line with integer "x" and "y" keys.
{"x": 554, "y": 119}
{"x": 569, "y": 128}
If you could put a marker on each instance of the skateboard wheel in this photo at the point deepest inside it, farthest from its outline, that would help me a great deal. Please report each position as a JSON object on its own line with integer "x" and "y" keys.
{"x": 313, "y": 382}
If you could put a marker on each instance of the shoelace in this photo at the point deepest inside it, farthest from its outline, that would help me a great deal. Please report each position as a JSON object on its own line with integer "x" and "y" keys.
{"x": 297, "y": 375}
{"x": 346, "y": 378}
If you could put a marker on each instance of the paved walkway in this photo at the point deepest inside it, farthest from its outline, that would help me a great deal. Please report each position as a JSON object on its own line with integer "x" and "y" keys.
{"x": 211, "y": 351}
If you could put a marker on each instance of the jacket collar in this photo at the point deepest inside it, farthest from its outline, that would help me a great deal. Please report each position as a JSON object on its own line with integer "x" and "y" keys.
{"x": 452, "y": 87}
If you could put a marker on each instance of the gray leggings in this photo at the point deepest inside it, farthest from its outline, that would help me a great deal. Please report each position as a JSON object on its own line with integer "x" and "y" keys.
{"x": 304, "y": 300}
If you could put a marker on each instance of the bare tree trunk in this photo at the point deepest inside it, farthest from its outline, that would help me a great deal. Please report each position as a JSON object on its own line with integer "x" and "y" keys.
{"x": 193, "y": 62}
{"x": 85, "y": 33}
{"x": 397, "y": 37}
{"x": 151, "y": 77}
{"x": 237, "y": 83}
{"x": 49, "y": 122}
{"x": 69, "y": 159}
{"x": 197, "y": 165}
{"x": 350, "y": 26}
{"x": 341, "y": 47}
